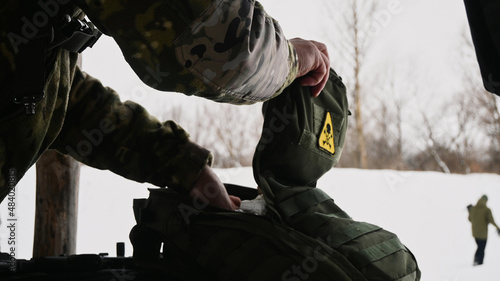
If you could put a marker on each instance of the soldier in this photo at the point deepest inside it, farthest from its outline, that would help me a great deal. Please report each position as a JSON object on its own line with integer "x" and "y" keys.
{"x": 480, "y": 217}
{"x": 225, "y": 50}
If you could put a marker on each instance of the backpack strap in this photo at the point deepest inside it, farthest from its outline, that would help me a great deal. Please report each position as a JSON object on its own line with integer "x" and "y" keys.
{"x": 74, "y": 35}
{"x": 377, "y": 252}
{"x": 302, "y": 201}
{"x": 248, "y": 247}
{"x": 30, "y": 74}
{"x": 349, "y": 232}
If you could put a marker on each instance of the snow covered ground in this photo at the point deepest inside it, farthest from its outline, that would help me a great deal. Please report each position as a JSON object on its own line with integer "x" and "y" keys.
{"x": 426, "y": 209}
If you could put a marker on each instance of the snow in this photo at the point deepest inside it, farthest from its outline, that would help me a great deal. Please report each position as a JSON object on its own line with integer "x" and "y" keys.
{"x": 426, "y": 209}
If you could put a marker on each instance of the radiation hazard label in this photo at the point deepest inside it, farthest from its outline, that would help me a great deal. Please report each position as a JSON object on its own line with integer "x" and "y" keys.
{"x": 326, "y": 137}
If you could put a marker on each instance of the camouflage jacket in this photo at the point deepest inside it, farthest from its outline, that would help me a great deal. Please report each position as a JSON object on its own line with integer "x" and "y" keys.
{"x": 227, "y": 51}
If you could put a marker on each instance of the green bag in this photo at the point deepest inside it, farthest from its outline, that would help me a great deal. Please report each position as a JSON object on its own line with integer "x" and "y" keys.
{"x": 292, "y": 155}
{"x": 305, "y": 236}
{"x": 213, "y": 244}
{"x": 302, "y": 137}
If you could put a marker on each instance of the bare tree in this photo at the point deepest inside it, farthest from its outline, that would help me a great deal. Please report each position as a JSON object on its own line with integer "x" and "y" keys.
{"x": 434, "y": 143}
{"x": 235, "y": 131}
{"x": 487, "y": 113}
{"x": 392, "y": 95}
{"x": 449, "y": 133}
{"x": 353, "y": 39}
{"x": 463, "y": 140}
{"x": 480, "y": 107}
{"x": 230, "y": 132}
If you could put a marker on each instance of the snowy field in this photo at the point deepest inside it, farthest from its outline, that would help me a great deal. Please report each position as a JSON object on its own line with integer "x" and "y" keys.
{"x": 426, "y": 209}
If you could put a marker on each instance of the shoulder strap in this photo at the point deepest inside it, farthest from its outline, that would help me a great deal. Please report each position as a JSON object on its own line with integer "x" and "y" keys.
{"x": 29, "y": 79}
{"x": 74, "y": 35}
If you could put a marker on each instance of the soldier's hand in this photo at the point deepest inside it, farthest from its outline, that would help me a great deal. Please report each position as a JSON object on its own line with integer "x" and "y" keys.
{"x": 209, "y": 189}
{"x": 314, "y": 64}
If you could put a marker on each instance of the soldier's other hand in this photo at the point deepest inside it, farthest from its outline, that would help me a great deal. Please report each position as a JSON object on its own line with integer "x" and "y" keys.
{"x": 209, "y": 189}
{"x": 314, "y": 64}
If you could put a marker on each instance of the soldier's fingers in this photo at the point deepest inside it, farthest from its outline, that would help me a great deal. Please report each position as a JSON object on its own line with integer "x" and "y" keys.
{"x": 322, "y": 48}
{"x": 316, "y": 90}
{"x": 309, "y": 57}
{"x": 317, "y": 71}
{"x": 236, "y": 201}
{"x": 317, "y": 78}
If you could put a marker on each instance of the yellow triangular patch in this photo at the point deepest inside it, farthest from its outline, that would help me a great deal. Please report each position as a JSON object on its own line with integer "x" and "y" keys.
{"x": 326, "y": 138}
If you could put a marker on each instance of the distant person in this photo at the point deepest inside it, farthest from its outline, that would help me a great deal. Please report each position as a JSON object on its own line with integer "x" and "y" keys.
{"x": 480, "y": 217}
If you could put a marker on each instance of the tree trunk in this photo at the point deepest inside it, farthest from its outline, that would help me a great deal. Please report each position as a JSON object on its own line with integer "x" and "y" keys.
{"x": 440, "y": 162}
{"x": 363, "y": 160}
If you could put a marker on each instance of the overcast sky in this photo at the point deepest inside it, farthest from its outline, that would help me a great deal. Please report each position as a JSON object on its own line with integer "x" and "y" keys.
{"x": 426, "y": 32}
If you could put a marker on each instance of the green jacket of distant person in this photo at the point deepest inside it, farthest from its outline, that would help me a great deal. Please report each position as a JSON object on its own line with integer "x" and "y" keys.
{"x": 481, "y": 217}
{"x": 165, "y": 42}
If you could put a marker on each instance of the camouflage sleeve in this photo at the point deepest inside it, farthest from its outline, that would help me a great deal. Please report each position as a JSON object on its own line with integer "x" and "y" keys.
{"x": 224, "y": 50}
{"x": 102, "y": 132}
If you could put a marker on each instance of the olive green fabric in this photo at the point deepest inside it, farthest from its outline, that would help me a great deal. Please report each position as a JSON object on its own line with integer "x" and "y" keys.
{"x": 292, "y": 128}
{"x": 204, "y": 243}
{"x": 289, "y": 151}
{"x": 290, "y": 159}
{"x": 377, "y": 253}
{"x": 481, "y": 217}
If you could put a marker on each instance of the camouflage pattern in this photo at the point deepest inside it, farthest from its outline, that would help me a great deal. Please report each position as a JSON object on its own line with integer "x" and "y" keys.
{"x": 233, "y": 65}
{"x": 82, "y": 118}
{"x": 197, "y": 47}
{"x": 92, "y": 125}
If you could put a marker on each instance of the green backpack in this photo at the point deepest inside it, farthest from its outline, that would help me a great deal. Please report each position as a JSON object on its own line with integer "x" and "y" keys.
{"x": 304, "y": 236}
{"x": 288, "y": 164}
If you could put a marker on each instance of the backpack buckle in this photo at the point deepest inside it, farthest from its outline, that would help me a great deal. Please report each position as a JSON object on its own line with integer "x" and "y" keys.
{"x": 74, "y": 35}
{"x": 29, "y": 102}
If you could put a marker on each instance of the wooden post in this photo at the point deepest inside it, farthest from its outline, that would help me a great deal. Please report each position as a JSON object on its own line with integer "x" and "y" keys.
{"x": 56, "y": 205}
